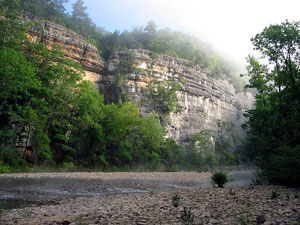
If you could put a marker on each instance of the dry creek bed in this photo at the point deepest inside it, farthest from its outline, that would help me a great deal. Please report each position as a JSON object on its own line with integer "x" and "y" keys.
{"x": 230, "y": 205}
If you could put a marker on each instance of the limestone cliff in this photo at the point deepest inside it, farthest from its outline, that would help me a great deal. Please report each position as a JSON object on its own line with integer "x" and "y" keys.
{"x": 73, "y": 45}
{"x": 204, "y": 102}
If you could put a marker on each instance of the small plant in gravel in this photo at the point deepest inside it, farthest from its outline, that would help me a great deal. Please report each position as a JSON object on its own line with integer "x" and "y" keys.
{"x": 288, "y": 196}
{"x": 2, "y": 204}
{"x": 296, "y": 195}
{"x": 239, "y": 200}
{"x": 219, "y": 178}
{"x": 275, "y": 194}
{"x": 79, "y": 220}
{"x": 243, "y": 216}
{"x": 231, "y": 192}
{"x": 175, "y": 200}
{"x": 242, "y": 220}
{"x": 136, "y": 214}
{"x": 187, "y": 217}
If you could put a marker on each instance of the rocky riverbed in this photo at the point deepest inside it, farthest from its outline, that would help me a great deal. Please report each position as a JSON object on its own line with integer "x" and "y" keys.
{"x": 231, "y": 205}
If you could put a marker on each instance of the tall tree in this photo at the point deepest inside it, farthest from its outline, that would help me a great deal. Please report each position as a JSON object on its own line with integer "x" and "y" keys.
{"x": 49, "y": 9}
{"x": 274, "y": 124}
{"x": 79, "y": 11}
{"x": 81, "y": 19}
{"x": 151, "y": 27}
{"x": 12, "y": 32}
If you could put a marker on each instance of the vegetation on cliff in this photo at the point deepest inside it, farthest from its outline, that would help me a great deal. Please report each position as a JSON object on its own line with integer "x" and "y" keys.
{"x": 50, "y": 116}
{"x": 46, "y": 105}
{"x": 163, "y": 41}
{"x": 274, "y": 124}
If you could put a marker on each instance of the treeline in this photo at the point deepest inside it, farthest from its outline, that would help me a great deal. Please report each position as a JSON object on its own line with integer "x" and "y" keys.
{"x": 274, "y": 124}
{"x": 49, "y": 116}
{"x": 163, "y": 41}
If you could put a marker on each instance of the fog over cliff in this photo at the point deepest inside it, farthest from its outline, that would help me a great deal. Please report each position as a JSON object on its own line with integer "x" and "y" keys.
{"x": 227, "y": 25}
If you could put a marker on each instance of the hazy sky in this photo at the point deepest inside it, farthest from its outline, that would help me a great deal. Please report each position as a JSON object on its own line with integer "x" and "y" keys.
{"x": 227, "y": 24}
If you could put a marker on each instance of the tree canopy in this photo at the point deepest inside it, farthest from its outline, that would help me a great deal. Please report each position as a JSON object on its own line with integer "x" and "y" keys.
{"x": 163, "y": 41}
{"x": 274, "y": 123}
{"x": 50, "y": 116}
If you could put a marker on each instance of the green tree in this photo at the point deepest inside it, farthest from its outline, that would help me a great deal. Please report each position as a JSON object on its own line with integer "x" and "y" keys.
{"x": 79, "y": 11}
{"x": 274, "y": 123}
{"x": 200, "y": 152}
{"x": 53, "y": 10}
{"x": 164, "y": 96}
{"x": 151, "y": 27}
{"x": 129, "y": 137}
{"x": 81, "y": 20}
{"x": 18, "y": 86}
{"x": 12, "y": 32}
{"x": 172, "y": 155}
{"x": 87, "y": 135}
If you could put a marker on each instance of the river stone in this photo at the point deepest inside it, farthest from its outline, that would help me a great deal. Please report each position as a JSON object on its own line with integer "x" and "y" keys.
{"x": 260, "y": 219}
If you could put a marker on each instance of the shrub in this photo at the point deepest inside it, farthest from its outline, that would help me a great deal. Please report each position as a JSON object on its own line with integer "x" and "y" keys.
{"x": 231, "y": 192}
{"x": 68, "y": 166}
{"x": 187, "y": 217}
{"x": 10, "y": 161}
{"x": 283, "y": 166}
{"x": 3, "y": 168}
{"x": 175, "y": 200}
{"x": 219, "y": 178}
{"x": 275, "y": 194}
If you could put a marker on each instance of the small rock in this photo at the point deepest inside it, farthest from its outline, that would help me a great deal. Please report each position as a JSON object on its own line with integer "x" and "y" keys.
{"x": 205, "y": 214}
{"x": 213, "y": 221}
{"x": 268, "y": 223}
{"x": 66, "y": 222}
{"x": 260, "y": 219}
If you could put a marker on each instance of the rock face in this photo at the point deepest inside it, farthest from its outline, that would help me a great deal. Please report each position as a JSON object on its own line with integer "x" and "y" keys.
{"x": 73, "y": 45}
{"x": 203, "y": 102}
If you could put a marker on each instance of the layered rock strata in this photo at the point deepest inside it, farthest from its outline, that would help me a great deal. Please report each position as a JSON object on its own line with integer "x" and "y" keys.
{"x": 73, "y": 45}
{"x": 203, "y": 102}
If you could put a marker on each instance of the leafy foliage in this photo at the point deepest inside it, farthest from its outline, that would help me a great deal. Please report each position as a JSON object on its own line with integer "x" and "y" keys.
{"x": 274, "y": 124}
{"x": 59, "y": 118}
{"x": 175, "y": 200}
{"x": 274, "y": 194}
{"x": 164, "y": 95}
{"x": 199, "y": 152}
{"x": 163, "y": 41}
{"x": 187, "y": 217}
{"x": 219, "y": 178}
{"x": 49, "y": 116}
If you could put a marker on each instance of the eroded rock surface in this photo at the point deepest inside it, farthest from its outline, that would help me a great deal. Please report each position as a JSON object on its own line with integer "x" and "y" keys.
{"x": 73, "y": 45}
{"x": 204, "y": 102}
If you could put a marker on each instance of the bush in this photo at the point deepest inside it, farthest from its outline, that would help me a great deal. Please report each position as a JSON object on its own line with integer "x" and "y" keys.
{"x": 187, "y": 217}
{"x": 10, "y": 161}
{"x": 68, "y": 166}
{"x": 4, "y": 168}
{"x": 219, "y": 178}
{"x": 283, "y": 166}
{"x": 175, "y": 200}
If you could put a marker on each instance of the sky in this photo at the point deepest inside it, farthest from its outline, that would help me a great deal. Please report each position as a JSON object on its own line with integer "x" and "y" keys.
{"x": 227, "y": 25}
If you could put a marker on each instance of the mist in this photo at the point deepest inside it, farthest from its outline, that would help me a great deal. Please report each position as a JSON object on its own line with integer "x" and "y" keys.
{"x": 227, "y": 25}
